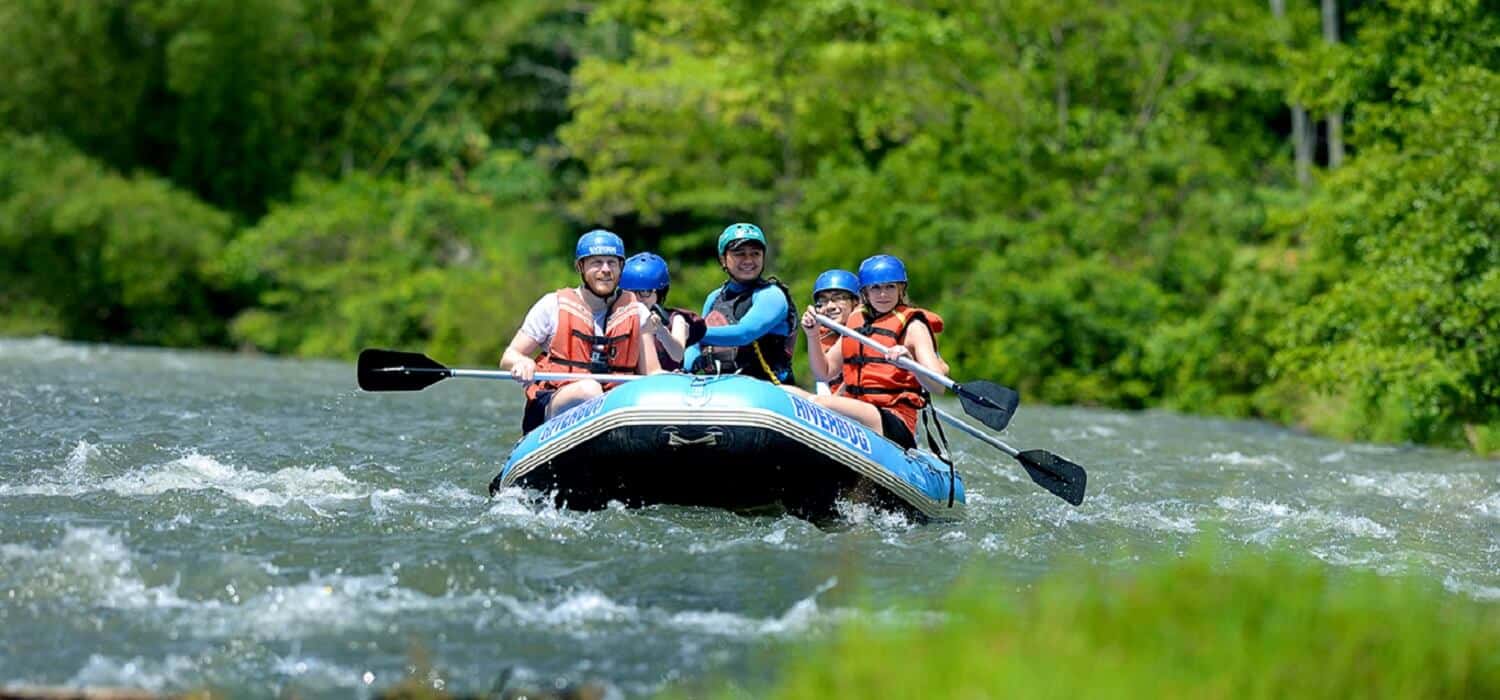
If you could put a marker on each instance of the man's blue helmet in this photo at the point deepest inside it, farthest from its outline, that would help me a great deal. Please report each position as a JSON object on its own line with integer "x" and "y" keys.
{"x": 599, "y": 242}
{"x": 645, "y": 272}
{"x": 842, "y": 280}
{"x": 735, "y": 233}
{"x": 880, "y": 269}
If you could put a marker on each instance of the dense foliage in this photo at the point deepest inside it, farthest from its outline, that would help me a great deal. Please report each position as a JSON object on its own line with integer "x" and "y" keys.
{"x": 1251, "y": 627}
{"x": 1099, "y": 197}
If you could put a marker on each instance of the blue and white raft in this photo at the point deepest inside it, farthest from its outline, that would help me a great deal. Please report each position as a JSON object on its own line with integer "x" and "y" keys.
{"x": 728, "y": 442}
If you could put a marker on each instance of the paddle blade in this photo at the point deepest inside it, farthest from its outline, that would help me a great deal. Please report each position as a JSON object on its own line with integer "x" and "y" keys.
{"x": 990, "y": 403}
{"x": 392, "y": 370}
{"x": 1063, "y": 478}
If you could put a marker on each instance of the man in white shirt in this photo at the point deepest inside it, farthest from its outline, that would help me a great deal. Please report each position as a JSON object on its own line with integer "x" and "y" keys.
{"x": 594, "y": 328}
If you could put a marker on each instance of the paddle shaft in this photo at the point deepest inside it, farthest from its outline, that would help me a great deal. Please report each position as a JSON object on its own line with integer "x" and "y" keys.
{"x": 504, "y": 374}
{"x": 976, "y": 433}
{"x": 905, "y": 363}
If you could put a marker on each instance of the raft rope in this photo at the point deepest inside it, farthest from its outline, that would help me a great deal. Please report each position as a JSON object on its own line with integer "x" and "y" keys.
{"x": 766, "y": 366}
{"x": 939, "y": 446}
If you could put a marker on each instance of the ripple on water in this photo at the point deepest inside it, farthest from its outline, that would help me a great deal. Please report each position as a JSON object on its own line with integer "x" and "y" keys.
{"x": 1170, "y": 515}
{"x": 155, "y": 675}
{"x": 311, "y": 486}
{"x": 1274, "y": 517}
{"x": 88, "y": 567}
{"x": 1417, "y": 486}
{"x": 1490, "y": 506}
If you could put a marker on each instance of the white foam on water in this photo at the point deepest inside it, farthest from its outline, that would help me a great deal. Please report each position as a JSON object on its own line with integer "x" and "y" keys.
{"x": 994, "y": 543}
{"x": 866, "y": 514}
{"x": 1413, "y": 486}
{"x": 315, "y": 672}
{"x": 383, "y": 501}
{"x": 1239, "y": 459}
{"x": 450, "y": 493}
{"x": 90, "y": 564}
{"x": 578, "y": 608}
{"x": 199, "y": 472}
{"x": 800, "y": 617}
{"x": 136, "y": 672}
{"x": 519, "y": 508}
{"x": 1333, "y": 457}
{"x": 1151, "y": 516}
{"x": 78, "y": 459}
{"x": 65, "y": 479}
{"x": 1476, "y": 590}
{"x": 333, "y": 604}
{"x": 1490, "y": 506}
{"x": 1275, "y": 516}
{"x": 576, "y": 614}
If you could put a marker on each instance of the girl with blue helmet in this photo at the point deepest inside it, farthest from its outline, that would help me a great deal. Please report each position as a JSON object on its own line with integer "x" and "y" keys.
{"x": 593, "y": 328}
{"x": 646, "y": 275}
{"x": 876, "y": 391}
{"x": 835, "y": 294}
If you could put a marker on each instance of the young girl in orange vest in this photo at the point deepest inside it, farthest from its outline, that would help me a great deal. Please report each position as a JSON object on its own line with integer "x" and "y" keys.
{"x": 876, "y": 391}
{"x": 592, "y": 328}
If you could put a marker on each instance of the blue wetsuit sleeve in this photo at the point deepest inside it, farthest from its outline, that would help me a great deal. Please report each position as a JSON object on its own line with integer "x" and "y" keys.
{"x": 767, "y": 314}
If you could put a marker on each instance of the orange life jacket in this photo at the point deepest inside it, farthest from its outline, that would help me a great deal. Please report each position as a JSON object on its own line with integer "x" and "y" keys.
{"x": 871, "y": 378}
{"x": 576, "y": 349}
{"x": 827, "y": 340}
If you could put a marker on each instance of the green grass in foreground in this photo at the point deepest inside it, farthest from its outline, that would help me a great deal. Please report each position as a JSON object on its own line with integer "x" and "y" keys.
{"x": 1253, "y": 627}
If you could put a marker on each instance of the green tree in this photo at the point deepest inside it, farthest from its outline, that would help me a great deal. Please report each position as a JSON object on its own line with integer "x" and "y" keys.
{"x": 89, "y": 254}
{"x": 419, "y": 264}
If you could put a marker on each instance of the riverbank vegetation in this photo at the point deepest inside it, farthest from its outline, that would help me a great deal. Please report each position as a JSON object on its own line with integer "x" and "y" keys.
{"x": 1110, "y": 203}
{"x": 1254, "y": 626}
{"x": 1206, "y": 625}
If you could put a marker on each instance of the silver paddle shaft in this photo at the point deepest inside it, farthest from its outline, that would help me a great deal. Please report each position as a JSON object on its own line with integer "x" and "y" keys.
{"x": 975, "y": 433}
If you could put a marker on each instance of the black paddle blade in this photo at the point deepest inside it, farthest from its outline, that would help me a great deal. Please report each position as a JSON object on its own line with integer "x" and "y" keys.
{"x": 1063, "y": 478}
{"x": 393, "y": 370}
{"x": 992, "y": 404}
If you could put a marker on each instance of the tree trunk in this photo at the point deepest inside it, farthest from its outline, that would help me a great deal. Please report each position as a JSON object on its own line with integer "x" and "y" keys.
{"x": 1335, "y": 118}
{"x": 1301, "y": 141}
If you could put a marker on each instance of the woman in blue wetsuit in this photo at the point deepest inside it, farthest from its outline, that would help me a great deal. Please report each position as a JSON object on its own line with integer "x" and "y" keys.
{"x": 750, "y": 319}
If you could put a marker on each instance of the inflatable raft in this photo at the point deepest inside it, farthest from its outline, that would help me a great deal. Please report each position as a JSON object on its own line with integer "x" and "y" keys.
{"x": 727, "y": 442}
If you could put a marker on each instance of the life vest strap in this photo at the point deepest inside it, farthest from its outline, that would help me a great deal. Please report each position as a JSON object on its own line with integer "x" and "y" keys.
{"x": 864, "y": 391}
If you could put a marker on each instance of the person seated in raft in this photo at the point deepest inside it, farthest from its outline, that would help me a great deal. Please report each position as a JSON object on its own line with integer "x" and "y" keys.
{"x": 673, "y": 330}
{"x": 750, "y": 319}
{"x": 876, "y": 391}
{"x": 592, "y": 328}
{"x": 835, "y": 294}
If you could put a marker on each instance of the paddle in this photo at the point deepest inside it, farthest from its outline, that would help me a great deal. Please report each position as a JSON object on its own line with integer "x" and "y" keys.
{"x": 1062, "y": 478}
{"x": 393, "y": 370}
{"x": 1058, "y": 476}
{"x": 991, "y": 403}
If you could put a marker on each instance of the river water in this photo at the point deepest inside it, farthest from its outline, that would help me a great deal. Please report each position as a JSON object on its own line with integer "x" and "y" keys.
{"x": 174, "y": 520}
